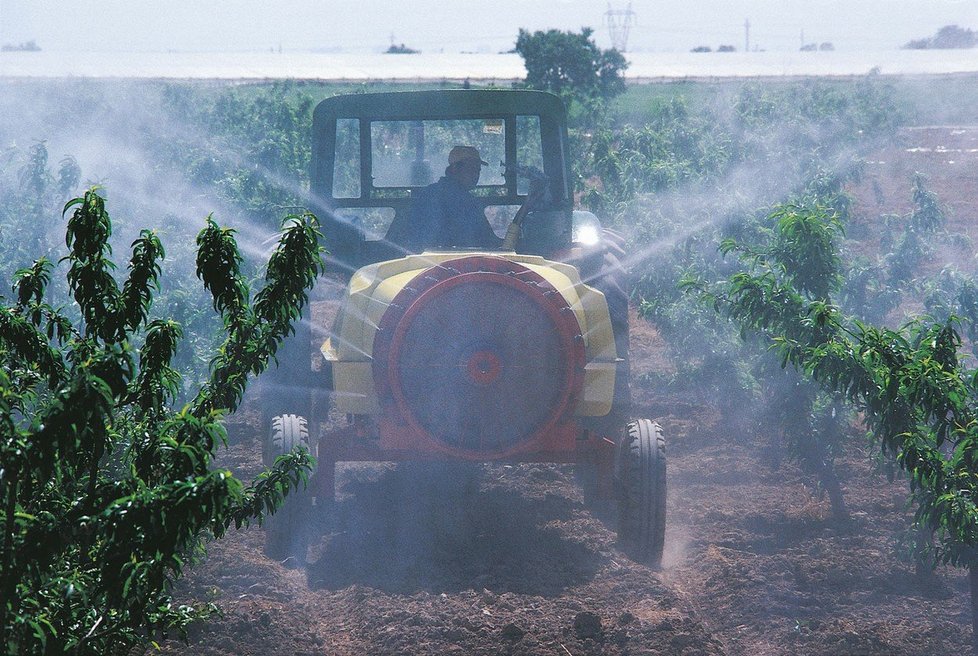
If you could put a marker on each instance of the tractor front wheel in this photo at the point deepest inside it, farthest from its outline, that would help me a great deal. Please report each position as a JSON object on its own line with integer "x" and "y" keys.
{"x": 287, "y": 531}
{"x": 640, "y": 480}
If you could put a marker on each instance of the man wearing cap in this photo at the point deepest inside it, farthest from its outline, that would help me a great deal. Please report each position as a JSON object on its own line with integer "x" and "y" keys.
{"x": 445, "y": 214}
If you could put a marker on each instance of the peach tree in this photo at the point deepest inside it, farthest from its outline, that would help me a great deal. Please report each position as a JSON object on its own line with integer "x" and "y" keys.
{"x": 107, "y": 489}
{"x": 913, "y": 386}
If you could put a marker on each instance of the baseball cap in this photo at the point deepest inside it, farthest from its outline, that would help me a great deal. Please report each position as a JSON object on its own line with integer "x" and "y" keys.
{"x": 463, "y": 153}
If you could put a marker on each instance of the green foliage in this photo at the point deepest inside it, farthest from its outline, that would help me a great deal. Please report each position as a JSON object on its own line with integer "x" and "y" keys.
{"x": 948, "y": 37}
{"x": 804, "y": 117}
{"x": 674, "y": 147}
{"x": 249, "y": 145}
{"x": 677, "y": 188}
{"x": 108, "y": 312}
{"x": 107, "y": 488}
{"x": 918, "y": 399}
{"x": 571, "y": 65}
{"x": 769, "y": 139}
{"x": 706, "y": 351}
{"x": 926, "y": 219}
{"x": 799, "y": 251}
{"x": 254, "y": 330}
{"x": 694, "y": 176}
{"x": 954, "y": 294}
{"x": 805, "y": 248}
{"x": 242, "y": 147}
{"x": 794, "y": 254}
{"x": 33, "y": 195}
{"x": 873, "y": 289}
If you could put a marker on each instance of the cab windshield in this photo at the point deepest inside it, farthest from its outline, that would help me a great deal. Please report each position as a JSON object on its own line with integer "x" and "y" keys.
{"x": 406, "y": 154}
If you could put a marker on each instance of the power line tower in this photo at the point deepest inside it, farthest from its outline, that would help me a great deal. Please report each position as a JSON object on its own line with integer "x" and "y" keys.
{"x": 619, "y": 22}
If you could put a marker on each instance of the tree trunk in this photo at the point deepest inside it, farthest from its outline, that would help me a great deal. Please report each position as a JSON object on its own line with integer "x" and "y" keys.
{"x": 923, "y": 550}
{"x": 830, "y": 481}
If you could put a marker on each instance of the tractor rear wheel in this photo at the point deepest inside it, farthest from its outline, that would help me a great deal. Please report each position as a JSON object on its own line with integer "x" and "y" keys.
{"x": 640, "y": 479}
{"x": 287, "y": 531}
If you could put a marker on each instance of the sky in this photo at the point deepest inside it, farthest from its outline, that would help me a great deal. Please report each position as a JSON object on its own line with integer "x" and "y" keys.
{"x": 465, "y": 26}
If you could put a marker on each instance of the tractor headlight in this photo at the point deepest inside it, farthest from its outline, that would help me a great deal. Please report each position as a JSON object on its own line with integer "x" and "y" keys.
{"x": 587, "y": 229}
{"x": 588, "y": 236}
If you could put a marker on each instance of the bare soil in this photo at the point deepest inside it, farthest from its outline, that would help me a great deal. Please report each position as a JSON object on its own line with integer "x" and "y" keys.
{"x": 500, "y": 559}
{"x": 947, "y": 158}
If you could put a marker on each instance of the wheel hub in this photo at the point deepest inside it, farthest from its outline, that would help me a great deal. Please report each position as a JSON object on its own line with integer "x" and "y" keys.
{"x": 484, "y": 368}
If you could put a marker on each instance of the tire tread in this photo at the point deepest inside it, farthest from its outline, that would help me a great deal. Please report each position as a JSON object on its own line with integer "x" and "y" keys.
{"x": 642, "y": 491}
{"x": 286, "y": 531}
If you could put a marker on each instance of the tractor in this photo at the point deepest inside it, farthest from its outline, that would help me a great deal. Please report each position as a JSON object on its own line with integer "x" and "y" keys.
{"x": 515, "y": 355}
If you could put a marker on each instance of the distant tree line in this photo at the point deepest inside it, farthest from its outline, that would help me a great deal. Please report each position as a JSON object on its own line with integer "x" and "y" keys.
{"x": 723, "y": 48}
{"x": 401, "y": 49}
{"x": 26, "y": 46}
{"x": 948, "y": 37}
{"x": 825, "y": 46}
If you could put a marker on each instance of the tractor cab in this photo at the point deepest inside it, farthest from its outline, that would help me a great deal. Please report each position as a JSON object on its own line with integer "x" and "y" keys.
{"x": 372, "y": 153}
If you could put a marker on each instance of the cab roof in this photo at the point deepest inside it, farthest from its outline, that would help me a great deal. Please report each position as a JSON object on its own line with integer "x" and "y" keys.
{"x": 440, "y": 104}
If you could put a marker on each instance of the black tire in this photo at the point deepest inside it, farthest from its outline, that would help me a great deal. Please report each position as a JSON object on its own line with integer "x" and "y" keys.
{"x": 287, "y": 531}
{"x": 640, "y": 479}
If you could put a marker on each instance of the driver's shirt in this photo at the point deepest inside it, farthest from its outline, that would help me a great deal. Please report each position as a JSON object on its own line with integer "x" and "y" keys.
{"x": 445, "y": 215}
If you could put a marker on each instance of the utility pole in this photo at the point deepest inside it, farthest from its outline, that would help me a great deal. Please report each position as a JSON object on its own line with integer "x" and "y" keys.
{"x": 746, "y": 35}
{"x": 620, "y": 22}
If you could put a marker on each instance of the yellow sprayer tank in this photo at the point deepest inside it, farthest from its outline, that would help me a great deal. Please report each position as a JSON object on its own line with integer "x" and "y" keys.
{"x": 479, "y": 350}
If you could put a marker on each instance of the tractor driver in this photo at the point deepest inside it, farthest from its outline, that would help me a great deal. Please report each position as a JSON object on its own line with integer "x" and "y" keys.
{"x": 445, "y": 214}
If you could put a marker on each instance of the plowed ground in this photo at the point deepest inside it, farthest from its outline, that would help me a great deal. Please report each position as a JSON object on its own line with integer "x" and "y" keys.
{"x": 501, "y": 559}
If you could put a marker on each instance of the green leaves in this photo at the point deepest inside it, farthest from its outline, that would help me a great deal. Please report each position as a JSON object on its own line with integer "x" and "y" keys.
{"x": 89, "y": 276}
{"x": 31, "y": 283}
{"x": 219, "y": 267}
{"x": 105, "y": 487}
{"x": 271, "y": 487}
{"x": 144, "y": 271}
{"x": 107, "y": 311}
{"x": 805, "y": 248}
{"x": 284, "y": 294}
{"x": 156, "y": 384}
{"x": 926, "y": 220}
{"x": 254, "y": 334}
{"x": 250, "y": 145}
{"x": 571, "y": 64}
{"x": 918, "y": 399}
